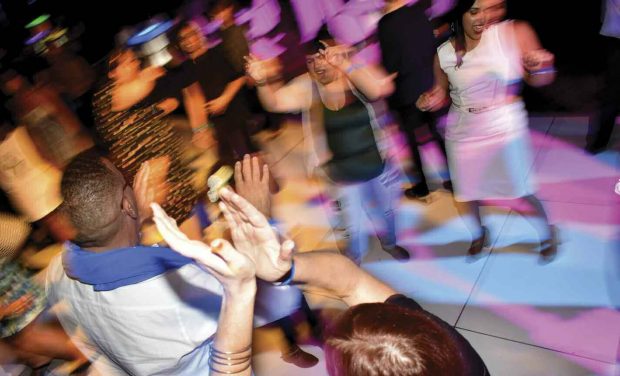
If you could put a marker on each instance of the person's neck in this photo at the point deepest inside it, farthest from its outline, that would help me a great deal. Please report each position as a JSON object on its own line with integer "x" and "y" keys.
{"x": 394, "y": 5}
{"x": 121, "y": 240}
{"x": 471, "y": 43}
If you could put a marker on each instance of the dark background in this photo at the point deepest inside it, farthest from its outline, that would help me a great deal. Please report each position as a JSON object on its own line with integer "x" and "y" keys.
{"x": 568, "y": 29}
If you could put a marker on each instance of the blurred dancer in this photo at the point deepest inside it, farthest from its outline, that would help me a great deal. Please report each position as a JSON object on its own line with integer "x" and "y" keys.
{"x": 31, "y": 183}
{"x": 488, "y": 144}
{"x": 22, "y": 300}
{"x": 55, "y": 130}
{"x": 602, "y": 125}
{"x": 412, "y": 59}
{"x": 225, "y": 104}
{"x": 130, "y": 115}
{"x": 347, "y": 142}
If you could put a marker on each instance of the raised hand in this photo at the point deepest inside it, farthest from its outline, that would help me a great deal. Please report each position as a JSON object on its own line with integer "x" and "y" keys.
{"x": 233, "y": 269}
{"x": 535, "y": 60}
{"x": 337, "y": 56}
{"x": 150, "y": 185}
{"x": 253, "y": 236}
{"x": 256, "y": 69}
{"x": 252, "y": 183}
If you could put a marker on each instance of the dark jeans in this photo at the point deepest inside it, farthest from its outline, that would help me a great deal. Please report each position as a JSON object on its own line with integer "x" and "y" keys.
{"x": 411, "y": 119}
{"x": 601, "y": 128}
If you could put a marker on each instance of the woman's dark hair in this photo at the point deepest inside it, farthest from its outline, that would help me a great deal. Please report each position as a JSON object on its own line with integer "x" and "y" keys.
{"x": 458, "y": 32}
{"x": 380, "y": 339}
{"x": 316, "y": 44}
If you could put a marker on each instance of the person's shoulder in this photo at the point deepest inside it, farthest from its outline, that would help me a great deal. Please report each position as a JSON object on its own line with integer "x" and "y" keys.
{"x": 55, "y": 273}
{"x": 445, "y": 49}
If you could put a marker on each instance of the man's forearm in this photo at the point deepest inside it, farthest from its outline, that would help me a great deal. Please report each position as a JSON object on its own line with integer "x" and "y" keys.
{"x": 234, "y": 331}
{"x": 339, "y": 275}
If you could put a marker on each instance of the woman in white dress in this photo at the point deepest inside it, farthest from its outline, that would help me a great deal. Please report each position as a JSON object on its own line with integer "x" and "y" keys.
{"x": 481, "y": 67}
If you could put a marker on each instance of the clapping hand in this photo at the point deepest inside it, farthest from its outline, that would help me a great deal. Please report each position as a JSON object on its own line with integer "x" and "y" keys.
{"x": 254, "y": 237}
{"x": 150, "y": 185}
{"x": 252, "y": 183}
{"x": 233, "y": 269}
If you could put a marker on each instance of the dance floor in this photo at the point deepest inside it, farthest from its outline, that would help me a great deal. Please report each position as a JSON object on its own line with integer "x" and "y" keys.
{"x": 523, "y": 317}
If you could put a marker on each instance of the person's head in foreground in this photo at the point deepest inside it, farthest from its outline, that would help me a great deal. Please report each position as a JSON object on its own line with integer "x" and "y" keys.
{"x": 379, "y": 339}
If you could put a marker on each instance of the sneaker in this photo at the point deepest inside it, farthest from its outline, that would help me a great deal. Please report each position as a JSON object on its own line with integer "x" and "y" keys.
{"x": 398, "y": 252}
{"x": 300, "y": 358}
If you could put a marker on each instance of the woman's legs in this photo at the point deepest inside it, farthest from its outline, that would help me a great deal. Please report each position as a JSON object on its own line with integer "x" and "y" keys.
{"x": 547, "y": 232}
{"x": 470, "y": 213}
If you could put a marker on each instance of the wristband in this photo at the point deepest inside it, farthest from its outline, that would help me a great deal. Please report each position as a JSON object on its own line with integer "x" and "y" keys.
{"x": 287, "y": 278}
{"x": 352, "y": 67}
{"x": 542, "y": 71}
{"x": 201, "y": 128}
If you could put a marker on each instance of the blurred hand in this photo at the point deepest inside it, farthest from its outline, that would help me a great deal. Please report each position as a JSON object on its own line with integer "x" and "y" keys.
{"x": 252, "y": 183}
{"x": 432, "y": 100}
{"x": 168, "y": 105}
{"x": 253, "y": 236}
{"x": 338, "y": 56}
{"x": 256, "y": 69}
{"x": 17, "y": 307}
{"x": 538, "y": 59}
{"x": 262, "y": 70}
{"x": 203, "y": 139}
{"x": 218, "y": 105}
{"x": 233, "y": 269}
{"x": 150, "y": 185}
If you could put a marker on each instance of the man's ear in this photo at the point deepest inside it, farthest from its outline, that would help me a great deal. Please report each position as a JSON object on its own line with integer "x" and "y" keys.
{"x": 129, "y": 208}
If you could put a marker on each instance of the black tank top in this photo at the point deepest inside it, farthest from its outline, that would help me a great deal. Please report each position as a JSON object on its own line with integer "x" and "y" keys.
{"x": 351, "y": 140}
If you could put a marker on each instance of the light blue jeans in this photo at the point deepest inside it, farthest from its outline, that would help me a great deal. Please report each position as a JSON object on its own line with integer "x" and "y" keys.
{"x": 377, "y": 198}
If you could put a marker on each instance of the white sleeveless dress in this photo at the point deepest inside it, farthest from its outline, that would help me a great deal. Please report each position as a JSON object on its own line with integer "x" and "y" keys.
{"x": 487, "y": 138}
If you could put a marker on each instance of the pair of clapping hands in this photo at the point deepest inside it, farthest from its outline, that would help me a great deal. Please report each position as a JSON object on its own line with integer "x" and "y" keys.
{"x": 256, "y": 250}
